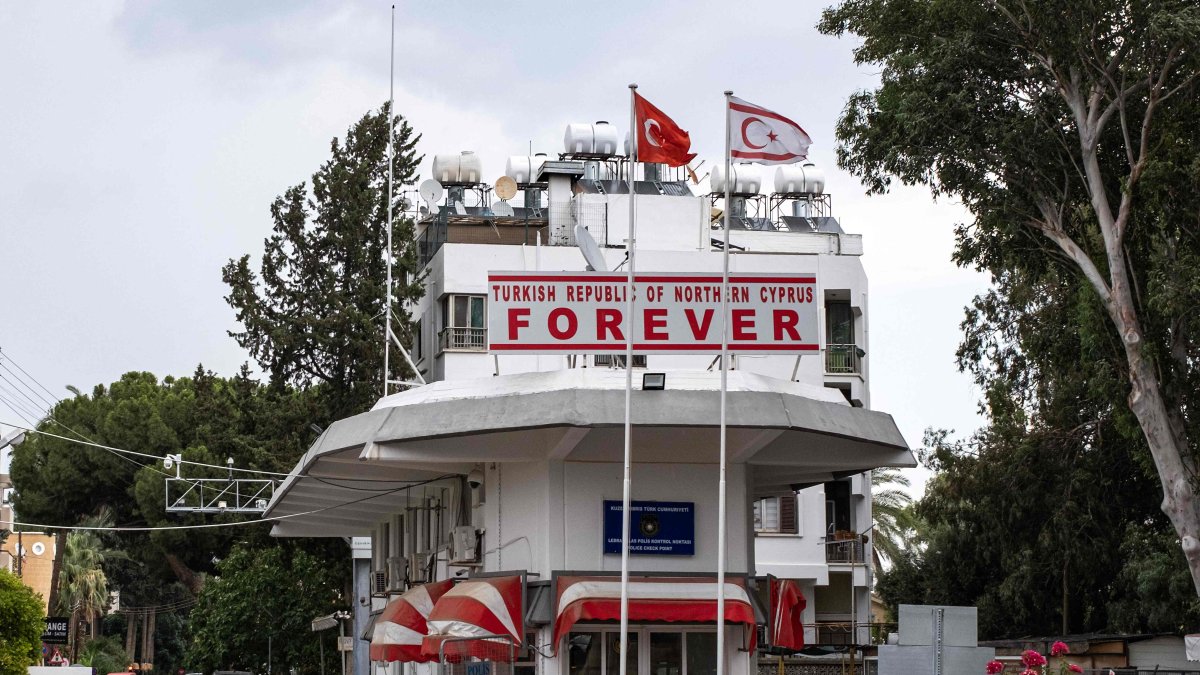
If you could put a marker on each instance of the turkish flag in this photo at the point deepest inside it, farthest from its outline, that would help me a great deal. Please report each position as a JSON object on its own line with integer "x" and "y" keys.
{"x": 659, "y": 139}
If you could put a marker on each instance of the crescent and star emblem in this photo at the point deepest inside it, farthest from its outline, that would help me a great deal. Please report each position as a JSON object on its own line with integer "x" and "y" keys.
{"x": 652, "y": 138}
{"x": 771, "y": 135}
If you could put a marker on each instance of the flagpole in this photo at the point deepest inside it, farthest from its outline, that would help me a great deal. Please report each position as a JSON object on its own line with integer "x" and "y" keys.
{"x": 629, "y": 324}
{"x": 387, "y": 298}
{"x": 724, "y": 389}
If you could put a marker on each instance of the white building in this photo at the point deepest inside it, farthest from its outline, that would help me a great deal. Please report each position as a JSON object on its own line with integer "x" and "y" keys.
{"x": 504, "y": 463}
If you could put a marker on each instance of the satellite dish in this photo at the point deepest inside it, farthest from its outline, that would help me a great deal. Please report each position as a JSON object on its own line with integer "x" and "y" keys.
{"x": 502, "y": 209}
{"x": 590, "y": 250}
{"x": 431, "y": 191}
{"x": 405, "y": 204}
{"x": 506, "y": 188}
{"x": 38, "y": 548}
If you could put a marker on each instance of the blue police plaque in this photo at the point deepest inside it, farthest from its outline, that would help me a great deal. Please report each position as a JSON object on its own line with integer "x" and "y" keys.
{"x": 655, "y": 528}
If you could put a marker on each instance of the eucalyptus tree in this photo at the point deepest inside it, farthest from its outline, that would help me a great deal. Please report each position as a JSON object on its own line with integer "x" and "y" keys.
{"x": 1068, "y": 130}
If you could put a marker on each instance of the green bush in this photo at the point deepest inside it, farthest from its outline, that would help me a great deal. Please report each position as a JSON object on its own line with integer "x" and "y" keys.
{"x": 21, "y": 622}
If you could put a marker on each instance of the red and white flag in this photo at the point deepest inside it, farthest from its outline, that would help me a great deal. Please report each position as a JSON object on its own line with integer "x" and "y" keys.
{"x": 764, "y": 137}
{"x": 659, "y": 139}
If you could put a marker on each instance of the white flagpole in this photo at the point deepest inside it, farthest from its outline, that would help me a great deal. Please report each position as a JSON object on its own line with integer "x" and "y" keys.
{"x": 724, "y": 389}
{"x": 387, "y": 302}
{"x": 630, "y": 248}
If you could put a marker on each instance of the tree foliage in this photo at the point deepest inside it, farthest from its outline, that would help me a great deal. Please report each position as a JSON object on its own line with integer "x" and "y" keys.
{"x": 892, "y": 515}
{"x": 104, "y": 655}
{"x": 314, "y": 313}
{"x": 258, "y": 594}
{"x": 21, "y": 622}
{"x": 1068, "y": 130}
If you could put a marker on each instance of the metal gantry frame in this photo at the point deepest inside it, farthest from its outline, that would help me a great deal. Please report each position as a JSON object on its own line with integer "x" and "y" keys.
{"x": 218, "y": 495}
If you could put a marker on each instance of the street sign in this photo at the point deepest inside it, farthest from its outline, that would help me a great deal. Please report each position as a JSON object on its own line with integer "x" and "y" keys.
{"x": 345, "y": 644}
{"x": 57, "y": 630}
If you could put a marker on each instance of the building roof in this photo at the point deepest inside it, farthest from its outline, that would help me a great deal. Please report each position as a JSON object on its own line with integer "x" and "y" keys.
{"x": 788, "y": 433}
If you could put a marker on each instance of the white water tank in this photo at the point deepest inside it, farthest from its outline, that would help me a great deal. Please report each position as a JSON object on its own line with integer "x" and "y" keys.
{"x": 465, "y": 167}
{"x": 805, "y": 179}
{"x": 522, "y": 168}
{"x": 746, "y": 180}
{"x": 591, "y": 139}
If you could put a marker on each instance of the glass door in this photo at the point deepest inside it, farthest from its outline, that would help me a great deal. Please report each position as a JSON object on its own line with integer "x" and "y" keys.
{"x": 666, "y": 653}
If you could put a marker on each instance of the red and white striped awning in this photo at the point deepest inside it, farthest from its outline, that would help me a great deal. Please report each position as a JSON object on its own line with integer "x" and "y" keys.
{"x": 674, "y": 599}
{"x": 401, "y": 627}
{"x": 787, "y": 605}
{"x": 473, "y": 609}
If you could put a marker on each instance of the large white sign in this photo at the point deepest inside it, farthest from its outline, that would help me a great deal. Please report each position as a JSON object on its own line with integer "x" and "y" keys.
{"x": 553, "y": 312}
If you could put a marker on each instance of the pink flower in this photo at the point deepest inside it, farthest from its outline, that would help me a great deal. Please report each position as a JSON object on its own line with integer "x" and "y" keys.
{"x": 994, "y": 667}
{"x": 1059, "y": 648}
{"x": 1032, "y": 659}
{"x": 1030, "y": 671}
{"x": 1074, "y": 668}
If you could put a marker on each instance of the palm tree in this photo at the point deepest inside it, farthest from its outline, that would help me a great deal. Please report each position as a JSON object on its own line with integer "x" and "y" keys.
{"x": 83, "y": 586}
{"x": 892, "y": 513}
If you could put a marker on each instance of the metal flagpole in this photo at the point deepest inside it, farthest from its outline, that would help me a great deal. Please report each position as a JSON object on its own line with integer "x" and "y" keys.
{"x": 387, "y": 301}
{"x": 629, "y": 323}
{"x": 724, "y": 390}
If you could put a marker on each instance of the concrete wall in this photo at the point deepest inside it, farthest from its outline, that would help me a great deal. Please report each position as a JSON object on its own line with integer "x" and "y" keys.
{"x": 1164, "y": 652}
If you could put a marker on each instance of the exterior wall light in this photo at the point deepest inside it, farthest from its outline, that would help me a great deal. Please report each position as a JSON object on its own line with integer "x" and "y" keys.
{"x": 654, "y": 381}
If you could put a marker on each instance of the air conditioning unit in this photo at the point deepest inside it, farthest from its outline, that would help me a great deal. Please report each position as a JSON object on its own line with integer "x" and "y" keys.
{"x": 416, "y": 568}
{"x": 379, "y": 582}
{"x": 396, "y": 573}
{"x": 462, "y": 544}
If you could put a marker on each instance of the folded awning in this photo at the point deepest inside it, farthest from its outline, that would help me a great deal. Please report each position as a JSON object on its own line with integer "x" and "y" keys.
{"x": 787, "y": 606}
{"x": 672, "y": 599}
{"x": 399, "y": 630}
{"x": 469, "y": 616}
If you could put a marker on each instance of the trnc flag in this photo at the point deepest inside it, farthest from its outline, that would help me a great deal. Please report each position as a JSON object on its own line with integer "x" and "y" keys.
{"x": 764, "y": 137}
{"x": 659, "y": 139}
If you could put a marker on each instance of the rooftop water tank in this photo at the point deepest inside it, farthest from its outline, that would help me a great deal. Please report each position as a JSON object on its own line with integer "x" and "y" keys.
{"x": 465, "y": 167}
{"x": 591, "y": 139}
{"x": 523, "y": 168}
{"x": 746, "y": 180}
{"x": 805, "y": 179}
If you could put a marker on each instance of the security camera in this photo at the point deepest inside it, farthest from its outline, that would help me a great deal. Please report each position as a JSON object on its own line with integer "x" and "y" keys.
{"x": 168, "y": 463}
{"x": 475, "y": 479}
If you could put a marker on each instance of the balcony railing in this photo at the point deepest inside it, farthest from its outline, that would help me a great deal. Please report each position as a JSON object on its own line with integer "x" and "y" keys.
{"x": 463, "y": 339}
{"x": 841, "y": 633}
{"x": 842, "y": 359}
{"x": 845, "y": 551}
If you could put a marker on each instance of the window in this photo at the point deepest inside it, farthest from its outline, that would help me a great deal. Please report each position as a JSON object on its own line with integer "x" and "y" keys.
{"x": 776, "y": 515}
{"x": 464, "y": 323}
{"x": 618, "y": 360}
{"x": 690, "y": 651}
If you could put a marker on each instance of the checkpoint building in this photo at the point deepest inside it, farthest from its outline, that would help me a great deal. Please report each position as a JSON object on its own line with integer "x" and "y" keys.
{"x": 500, "y": 481}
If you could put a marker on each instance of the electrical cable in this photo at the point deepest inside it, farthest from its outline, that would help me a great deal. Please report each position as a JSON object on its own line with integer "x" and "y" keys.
{"x": 157, "y": 458}
{"x": 203, "y": 526}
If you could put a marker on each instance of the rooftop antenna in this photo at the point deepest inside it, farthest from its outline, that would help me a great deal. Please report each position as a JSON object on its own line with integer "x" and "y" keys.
{"x": 389, "y": 336}
{"x": 387, "y": 300}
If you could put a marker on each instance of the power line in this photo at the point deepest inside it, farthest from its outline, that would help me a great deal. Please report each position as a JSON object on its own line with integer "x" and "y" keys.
{"x": 157, "y": 458}
{"x": 271, "y": 519}
{"x": 35, "y": 380}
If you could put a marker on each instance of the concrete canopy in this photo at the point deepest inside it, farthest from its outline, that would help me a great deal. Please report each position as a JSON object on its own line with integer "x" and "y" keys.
{"x": 788, "y": 433}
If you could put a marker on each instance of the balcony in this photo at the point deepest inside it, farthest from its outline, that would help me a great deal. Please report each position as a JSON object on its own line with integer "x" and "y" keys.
{"x": 844, "y": 551}
{"x": 843, "y": 359}
{"x": 841, "y": 633}
{"x": 463, "y": 339}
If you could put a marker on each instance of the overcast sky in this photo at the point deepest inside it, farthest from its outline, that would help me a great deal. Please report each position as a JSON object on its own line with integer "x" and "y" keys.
{"x": 142, "y": 143}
